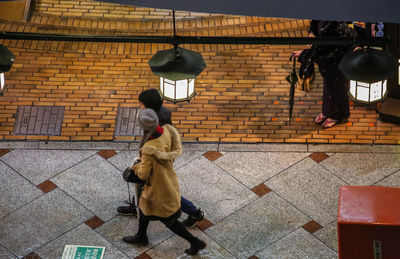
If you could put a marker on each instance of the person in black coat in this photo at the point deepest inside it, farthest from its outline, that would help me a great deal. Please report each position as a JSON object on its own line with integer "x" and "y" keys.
{"x": 335, "y": 99}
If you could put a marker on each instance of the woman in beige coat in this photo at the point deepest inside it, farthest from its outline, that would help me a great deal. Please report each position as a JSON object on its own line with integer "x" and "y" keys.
{"x": 160, "y": 198}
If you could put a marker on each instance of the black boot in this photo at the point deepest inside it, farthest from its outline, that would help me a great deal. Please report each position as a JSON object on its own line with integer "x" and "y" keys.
{"x": 195, "y": 247}
{"x": 141, "y": 236}
{"x": 195, "y": 243}
{"x": 136, "y": 239}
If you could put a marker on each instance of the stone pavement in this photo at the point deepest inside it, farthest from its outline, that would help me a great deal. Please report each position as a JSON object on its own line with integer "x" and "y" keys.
{"x": 261, "y": 200}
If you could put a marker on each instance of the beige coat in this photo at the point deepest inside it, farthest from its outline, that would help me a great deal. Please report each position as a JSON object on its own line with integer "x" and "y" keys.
{"x": 161, "y": 196}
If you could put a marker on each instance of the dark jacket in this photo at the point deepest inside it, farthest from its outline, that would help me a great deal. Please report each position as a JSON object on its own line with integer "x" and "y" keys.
{"x": 164, "y": 116}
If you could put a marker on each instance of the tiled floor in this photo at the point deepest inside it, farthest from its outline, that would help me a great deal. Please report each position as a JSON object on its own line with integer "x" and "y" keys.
{"x": 260, "y": 200}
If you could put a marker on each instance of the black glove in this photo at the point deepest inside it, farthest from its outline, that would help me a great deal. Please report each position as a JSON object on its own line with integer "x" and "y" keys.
{"x": 130, "y": 176}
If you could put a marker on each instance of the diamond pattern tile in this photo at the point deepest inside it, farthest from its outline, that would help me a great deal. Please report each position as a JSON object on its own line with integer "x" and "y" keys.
{"x": 212, "y": 155}
{"x": 204, "y": 224}
{"x": 32, "y": 256}
{"x": 106, "y": 154}
{"x": 47, "y": 186}
{"x": 298, "y": 244}
{"x": 261, "y": 190}
{"x": 40, "y": 165}
{"x": 310, "y": 188}
{"x": 16, "y": 191}
{"x": 362, "y": 168}
{"x": 257, "y": 225}
{"x": 312, "y": 226}
{"x": 319, "y": 156}
{"x": 96, "y": 184}
{"x": 253, "y": 168}
{"x": 94, "y": 222}
{"x": 198, "y": 180}
{"x": 143, "y": 256}
{"x": 40, "y": 221}
{"x": 4, "y": 151}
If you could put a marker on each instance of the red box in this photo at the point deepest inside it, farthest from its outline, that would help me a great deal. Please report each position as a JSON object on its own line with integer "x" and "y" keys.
{"x": 368, "y": 222}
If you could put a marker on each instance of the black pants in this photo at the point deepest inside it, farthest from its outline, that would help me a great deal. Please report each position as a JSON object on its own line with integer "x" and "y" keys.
{"x": 171, "y": 222}
{"x": 335, "y": 99}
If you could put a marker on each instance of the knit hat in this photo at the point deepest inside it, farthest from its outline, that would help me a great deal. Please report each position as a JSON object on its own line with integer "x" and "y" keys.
{"x": 148, "y": 120}
{"x": 151, "y": 98}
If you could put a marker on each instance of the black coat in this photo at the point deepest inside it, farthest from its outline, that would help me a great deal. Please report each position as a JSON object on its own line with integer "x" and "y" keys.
{"x": 330, "y": 55}
{"x": 164, "y": 116}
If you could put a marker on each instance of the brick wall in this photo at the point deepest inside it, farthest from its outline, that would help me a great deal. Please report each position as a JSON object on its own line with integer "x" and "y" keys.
{"x": 242, "y": 96}
{"x": 100, "y": 10}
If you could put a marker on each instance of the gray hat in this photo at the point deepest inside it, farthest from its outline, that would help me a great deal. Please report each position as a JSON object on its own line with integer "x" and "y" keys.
{"x": 148, "y": 120}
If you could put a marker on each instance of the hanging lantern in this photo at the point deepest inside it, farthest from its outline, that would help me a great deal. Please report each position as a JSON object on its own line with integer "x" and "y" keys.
{"x": 367, "y": 71}
{"x": 177, "y": 69}
{"x": 368, "y": 92}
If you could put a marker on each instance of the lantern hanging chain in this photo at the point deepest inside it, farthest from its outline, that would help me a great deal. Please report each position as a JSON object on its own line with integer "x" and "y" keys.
{"x": 174, "y": 41}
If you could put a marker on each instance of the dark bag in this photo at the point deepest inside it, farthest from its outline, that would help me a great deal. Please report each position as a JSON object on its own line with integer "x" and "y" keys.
{"x": 307, "y": 65}
{"x": 306, "y": 75}
{"x": 130, "y": 176}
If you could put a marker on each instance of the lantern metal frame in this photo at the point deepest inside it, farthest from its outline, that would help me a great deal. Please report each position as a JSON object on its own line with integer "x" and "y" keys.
{"x": 358, "y": 85}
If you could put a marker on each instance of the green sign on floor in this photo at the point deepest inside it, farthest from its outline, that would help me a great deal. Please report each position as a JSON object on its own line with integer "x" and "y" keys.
{"x": 83, "y": 252}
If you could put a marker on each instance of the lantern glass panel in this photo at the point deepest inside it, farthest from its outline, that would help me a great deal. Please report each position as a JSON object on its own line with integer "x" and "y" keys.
{"x": 353, "y": 85}
{"x": 168, "y": 88}
{"x": 384, "y": 87}
{"x": 362, "y": 93}
{"x": 2, "y": 81}
{"x": 191, "y": 86}
{"x": 376, "y": 91}
{"x": 181, "y": 89}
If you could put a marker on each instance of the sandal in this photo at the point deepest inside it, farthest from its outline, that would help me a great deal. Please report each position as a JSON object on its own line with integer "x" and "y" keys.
{"x": 320, "y": 119}
{"x": 329, "y": 123}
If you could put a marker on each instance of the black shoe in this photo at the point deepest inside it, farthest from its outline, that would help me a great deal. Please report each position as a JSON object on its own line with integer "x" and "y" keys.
{"x": 192, "y": 220}
{"x": 195, "y": 247}
{"x": 127, "y": 211}
{"x": 136, "y": 239}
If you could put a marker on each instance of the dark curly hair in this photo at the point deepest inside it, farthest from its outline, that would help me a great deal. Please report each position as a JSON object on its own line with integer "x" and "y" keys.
{"x": 151, "y": 98}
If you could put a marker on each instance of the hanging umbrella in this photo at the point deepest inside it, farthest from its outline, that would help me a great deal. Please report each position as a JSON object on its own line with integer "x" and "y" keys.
{"x": 292, "y": 79}
{"x": 177, "y": 64}
{"x": 6, "y": 59}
